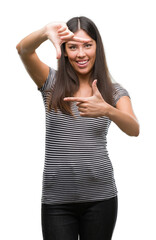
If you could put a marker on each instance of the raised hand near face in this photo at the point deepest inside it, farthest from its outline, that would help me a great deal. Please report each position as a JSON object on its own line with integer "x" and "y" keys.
{"x": 94, "y": 106}
{"x": 59, "y": 33}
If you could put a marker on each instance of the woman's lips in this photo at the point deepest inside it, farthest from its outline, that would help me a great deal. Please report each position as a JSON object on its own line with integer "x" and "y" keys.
{"x": 82, "y": 63}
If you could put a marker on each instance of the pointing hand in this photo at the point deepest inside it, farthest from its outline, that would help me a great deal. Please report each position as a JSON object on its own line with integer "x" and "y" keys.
{"x": 94, "y": 106}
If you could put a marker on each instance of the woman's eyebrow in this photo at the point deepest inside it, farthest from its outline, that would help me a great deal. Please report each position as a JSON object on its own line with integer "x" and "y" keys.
{"x": 71, "y": 43}
{"x": 91, "y": 41}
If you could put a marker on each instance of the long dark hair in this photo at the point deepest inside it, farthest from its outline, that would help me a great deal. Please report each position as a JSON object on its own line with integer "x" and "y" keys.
{"x": 67, "y": 82}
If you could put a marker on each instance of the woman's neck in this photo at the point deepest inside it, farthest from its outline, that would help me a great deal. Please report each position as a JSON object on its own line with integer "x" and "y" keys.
{"x": 85, "y": 88}
{"x": 84, "y": 80}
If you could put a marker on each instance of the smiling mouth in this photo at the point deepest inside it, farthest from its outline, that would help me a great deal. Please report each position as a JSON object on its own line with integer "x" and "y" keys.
{"x": 82, "y": 63}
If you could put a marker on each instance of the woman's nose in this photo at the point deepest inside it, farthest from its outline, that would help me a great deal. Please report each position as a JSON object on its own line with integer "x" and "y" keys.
{"x": 81, "y": 53}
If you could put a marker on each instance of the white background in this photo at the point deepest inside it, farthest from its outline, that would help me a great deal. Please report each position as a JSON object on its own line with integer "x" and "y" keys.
{"x": 128, "y": 32}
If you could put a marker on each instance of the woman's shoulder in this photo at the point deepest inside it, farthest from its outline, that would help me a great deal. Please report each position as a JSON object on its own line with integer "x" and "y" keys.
{"x": 49, "y": 81}
{"x": 118, "y": 92}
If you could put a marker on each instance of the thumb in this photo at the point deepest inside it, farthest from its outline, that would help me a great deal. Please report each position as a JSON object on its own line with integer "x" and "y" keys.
{"x": 94, "y": 87}
{"x": 58, "y": 51}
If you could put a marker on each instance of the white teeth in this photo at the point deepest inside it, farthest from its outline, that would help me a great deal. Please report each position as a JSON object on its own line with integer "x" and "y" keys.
{"x": 82, "y": 62}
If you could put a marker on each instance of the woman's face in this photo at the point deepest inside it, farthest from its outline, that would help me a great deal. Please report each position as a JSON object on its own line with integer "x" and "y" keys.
{"x": 81, "y": 55}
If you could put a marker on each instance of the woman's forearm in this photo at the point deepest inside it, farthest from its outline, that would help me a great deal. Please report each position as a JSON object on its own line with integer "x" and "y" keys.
{"x": 124, "y": 121}
{"x": 30, "y": 43}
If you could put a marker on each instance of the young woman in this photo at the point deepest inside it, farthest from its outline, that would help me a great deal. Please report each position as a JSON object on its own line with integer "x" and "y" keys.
{"x": 79, "y": 194}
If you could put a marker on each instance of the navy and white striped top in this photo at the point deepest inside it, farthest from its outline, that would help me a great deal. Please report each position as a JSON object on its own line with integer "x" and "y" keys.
{"x": 77, "y": 166}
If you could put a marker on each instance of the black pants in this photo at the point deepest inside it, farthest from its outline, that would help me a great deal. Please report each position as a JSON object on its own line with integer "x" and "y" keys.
{"x": 89, "y": 220}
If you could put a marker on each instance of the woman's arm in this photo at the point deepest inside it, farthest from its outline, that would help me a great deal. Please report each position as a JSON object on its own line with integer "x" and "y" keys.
{"x": 57, "y": 33}
{"x": 26, "y": 49}
{"x": 95, "y": 106}
{"x": 124, "y": 117}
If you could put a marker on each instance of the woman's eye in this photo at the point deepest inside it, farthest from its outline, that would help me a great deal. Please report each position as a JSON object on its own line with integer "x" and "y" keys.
{"x": 72, "y": 47}
{"x": 88, "y": 45}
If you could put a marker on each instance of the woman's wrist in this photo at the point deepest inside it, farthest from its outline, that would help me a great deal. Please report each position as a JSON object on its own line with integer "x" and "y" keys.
{"x": 107, "y": 109}
{"x": 44, "y": 33}
{"x": 110, "y": 111}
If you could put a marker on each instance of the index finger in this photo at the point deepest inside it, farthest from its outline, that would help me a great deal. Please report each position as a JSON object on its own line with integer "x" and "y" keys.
{"x": 68, "y": 38}
{"x": 78, "y": 39}
{"x": 75, "y": 99}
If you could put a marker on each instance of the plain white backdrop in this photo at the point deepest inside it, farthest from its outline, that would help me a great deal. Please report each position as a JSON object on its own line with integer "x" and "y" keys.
{"x": 128, "y": 32}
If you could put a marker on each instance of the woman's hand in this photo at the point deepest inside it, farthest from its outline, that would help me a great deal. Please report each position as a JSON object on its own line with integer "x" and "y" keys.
{"x": 93, "y": 106}
{"x": 59, "y": 33}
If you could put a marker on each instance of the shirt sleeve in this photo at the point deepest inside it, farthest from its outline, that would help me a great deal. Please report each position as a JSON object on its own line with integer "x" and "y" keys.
{"x": 49, "y": 81}
{"x": 118, "y": 92}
